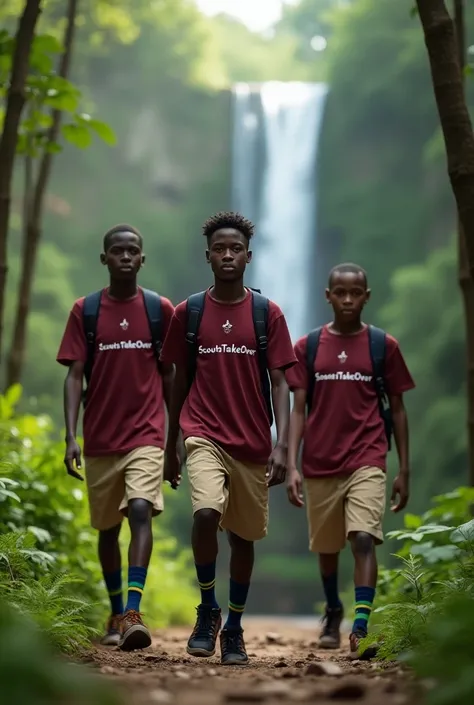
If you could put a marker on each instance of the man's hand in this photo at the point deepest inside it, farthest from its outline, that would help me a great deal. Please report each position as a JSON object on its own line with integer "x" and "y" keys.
{"x": 294, "y": 487}
{"x": 276, "y": 466}
{"x": 400, "y": 488}
{"x": 73, "y": 458}
{"x": 172, "y": 467}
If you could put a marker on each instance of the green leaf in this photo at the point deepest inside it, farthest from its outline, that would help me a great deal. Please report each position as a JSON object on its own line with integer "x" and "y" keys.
{"x": 78, "y": 135}
{"x": 412, "y": 521}
{"x": 46, "y": 43}
{"x": 13, "y": 394}
{"x": 8, "y": 493}
{"x": 465, "y": 532}
{"x": 66, "y": 101}
{"x": 53, "y": 148}
{"x": 103, "y": 131}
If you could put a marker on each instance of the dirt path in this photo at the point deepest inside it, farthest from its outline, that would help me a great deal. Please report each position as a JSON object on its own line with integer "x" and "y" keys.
{"x": 285, "y": 667}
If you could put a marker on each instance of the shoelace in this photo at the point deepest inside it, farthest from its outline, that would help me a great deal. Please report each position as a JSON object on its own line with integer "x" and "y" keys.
{"x": 133, "y": 617}
{"x": 204, "y": 625}
{"x": 233, "y": 642}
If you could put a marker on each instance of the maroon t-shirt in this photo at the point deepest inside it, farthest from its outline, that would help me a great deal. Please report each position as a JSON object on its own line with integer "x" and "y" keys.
{"x": 125, "y": 406}
{"x": 225, "y": 404}
{"x": 344, "y": 430}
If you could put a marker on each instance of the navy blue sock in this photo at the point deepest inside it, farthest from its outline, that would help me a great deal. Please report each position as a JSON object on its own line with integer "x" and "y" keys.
{"x": 206, "y": 575}
{"x": 113, "y": 583}
{"x": 237, "y": 599}
{"x": 364, "y": 598}
{"x": 331, "y": 592}
{"x": 136, "y": 584}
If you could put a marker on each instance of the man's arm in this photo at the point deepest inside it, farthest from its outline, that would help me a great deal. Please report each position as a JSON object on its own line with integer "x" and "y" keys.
{"x": 296, "y": 430}
{"x": 400, "y": 432}
{"x": 281, "y": 406}
{"x": 167, "y": 374}
{"x": 178, "y": 394}
{"x": 295, "y": 434}
{"x": 72, "y": 403}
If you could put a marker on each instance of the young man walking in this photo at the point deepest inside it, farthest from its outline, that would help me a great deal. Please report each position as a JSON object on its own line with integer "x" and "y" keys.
{"x": 220, "y": 402}
{"x": 345, "y": 444}
{"x": 112, "y": 339}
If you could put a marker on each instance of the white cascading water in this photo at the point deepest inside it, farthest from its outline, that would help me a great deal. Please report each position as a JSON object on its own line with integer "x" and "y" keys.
{"x": 275, "y": 150}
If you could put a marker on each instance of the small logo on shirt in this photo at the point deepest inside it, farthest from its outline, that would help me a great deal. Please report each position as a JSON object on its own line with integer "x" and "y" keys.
{"x": 342, "y": 357}
{"x": 124, "y": 324}
{"x": 227, "y": 327}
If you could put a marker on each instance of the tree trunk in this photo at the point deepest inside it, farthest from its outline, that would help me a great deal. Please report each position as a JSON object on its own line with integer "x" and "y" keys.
{"x": 32, "y": 232}
{"x": 466, "y": 281}
{"x": 440, "y": 38}
{"x": 9, "y": 138}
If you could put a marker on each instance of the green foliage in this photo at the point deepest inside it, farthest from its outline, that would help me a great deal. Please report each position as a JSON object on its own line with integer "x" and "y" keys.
{"x": 46, "y": 537}
{"x": 31, "y": 673}
{"x": 426, "y": 613}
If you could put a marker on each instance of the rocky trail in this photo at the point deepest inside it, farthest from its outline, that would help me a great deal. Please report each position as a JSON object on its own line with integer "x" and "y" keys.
{"x": 285, "y": 667}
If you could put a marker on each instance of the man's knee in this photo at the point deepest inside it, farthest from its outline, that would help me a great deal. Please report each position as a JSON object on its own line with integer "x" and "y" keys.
{"x": 362, "y": 543}
{"x": 139, "y": 512}
{"x": 237, "y": 542}
{"x": 206, "y": 520}
{"x": 110, "y": 535}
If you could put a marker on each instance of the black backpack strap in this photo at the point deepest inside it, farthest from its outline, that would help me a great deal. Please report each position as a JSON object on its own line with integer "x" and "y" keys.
{"x": 377, "y": 348}
{"x": 312, "y": 344}
{"x": 90, "y": 316}
{"x": 194, "y": 311}
{"x": 260, "y": 306}
{"x": 152, "y": 302}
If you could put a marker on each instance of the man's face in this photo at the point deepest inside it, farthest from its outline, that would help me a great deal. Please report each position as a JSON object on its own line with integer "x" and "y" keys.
{"x": 348, "y": 295}
{"x": 124, "y": 256}
{"x": 228, "y": 254}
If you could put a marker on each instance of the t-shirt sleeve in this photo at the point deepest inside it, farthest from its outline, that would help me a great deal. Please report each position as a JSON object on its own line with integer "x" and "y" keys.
{"x": 297, "y": 376}
{"x": 280, "y": 353}
{"x": 397, "y": 376}
{"x": 174, "y": 349}
{"x": 73, "y": 347}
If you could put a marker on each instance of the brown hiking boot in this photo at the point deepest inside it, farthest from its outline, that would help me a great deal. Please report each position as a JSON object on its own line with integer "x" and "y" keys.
{"x": 134, "y": 633}
{"x": 357, "y": 653}
{"x": 112, "y": 631}
{"x": 330, "y": 637}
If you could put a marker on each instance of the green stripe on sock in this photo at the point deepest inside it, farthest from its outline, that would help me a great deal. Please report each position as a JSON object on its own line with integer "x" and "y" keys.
{"x": 236, "y": 608}
{"x": 364, "y": 604}
{"x": 362, "y": 616}
{"x": 136, "y": 585}
{"x": 112, "y": 593}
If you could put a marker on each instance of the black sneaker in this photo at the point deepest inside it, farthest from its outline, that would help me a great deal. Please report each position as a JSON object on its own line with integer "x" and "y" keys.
{"x": 233, "y": 648}
{"x": 202, "y": 641}
{"x": 330, "y": 637}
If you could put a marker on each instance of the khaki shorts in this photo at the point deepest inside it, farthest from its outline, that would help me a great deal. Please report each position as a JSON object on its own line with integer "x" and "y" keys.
{"x": 338, "y": 506}
{"x": 113, "y": 480}
{"x": 236, "y": 490}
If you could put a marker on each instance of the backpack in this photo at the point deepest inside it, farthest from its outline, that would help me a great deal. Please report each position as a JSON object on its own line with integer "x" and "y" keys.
{"x": 90, "y": 316}
{"x": 194, "y": 311}
{"x": 377, "y": 345}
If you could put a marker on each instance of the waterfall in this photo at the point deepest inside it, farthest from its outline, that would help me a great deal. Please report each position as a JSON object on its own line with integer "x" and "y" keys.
{"x": 274, "y": 184}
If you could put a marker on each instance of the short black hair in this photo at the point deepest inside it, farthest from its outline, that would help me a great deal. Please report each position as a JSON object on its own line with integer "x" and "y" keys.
{"x": 228, "y": 220}
{"x": 121, "y": 228}
{"x": 349, "y": 267}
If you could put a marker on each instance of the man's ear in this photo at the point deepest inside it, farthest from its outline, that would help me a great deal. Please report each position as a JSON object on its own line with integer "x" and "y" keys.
{"x": 368, "y": 293}
{"x": 208, "y": 259}
{"x": 143, "y": 259}
{"x": 249, "y": 256}
{"x": 103, "y": 258}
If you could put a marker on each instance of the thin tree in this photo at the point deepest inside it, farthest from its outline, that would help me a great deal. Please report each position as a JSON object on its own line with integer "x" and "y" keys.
{"x": 445, "y": 42}
{"x": 9, "y": 138}
{"x": 34, "y": 197}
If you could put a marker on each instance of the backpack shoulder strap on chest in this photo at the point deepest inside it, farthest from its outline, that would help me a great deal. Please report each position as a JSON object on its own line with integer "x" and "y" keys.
{"x": 260, "y": 309}
{"x": 90, "y": 316}
{"x": 377, "y": 345}
{"x": 312, "y": 344}
{"x": 377, "y": 349}
{"x": 152, "y": 302}
{"x": 194, "y": 311}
